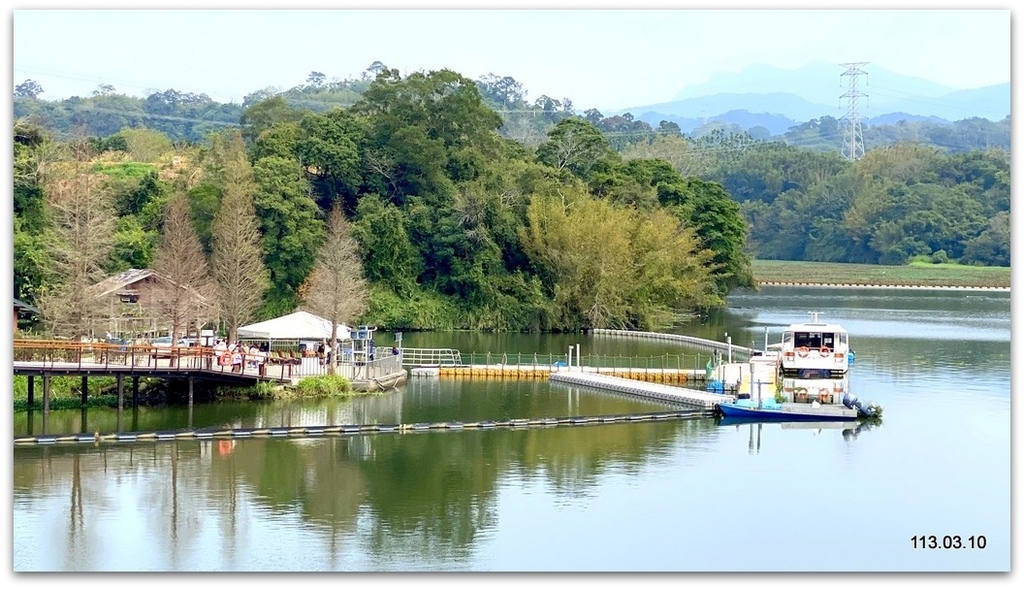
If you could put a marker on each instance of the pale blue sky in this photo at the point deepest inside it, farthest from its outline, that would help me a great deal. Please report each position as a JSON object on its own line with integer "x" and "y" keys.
{"x": 599, "y": 58}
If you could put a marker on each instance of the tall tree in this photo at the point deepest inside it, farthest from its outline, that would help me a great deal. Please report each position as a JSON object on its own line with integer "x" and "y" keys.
{"x": 237, "y": 264}
{"x": 575, "y": 145}
{"x": 264, "y": 114}
{"x": 180, "y": 260}
{"x": 36, "y": 156}
{"x": 28, "y": 89}
{"x": 291, "y": 227}
{"x": 336, "y": 289}
{"x": 80, "y": 240}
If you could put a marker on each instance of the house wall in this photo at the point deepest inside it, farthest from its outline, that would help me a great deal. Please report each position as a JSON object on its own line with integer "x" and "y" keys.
{"x": 140, "y": 317}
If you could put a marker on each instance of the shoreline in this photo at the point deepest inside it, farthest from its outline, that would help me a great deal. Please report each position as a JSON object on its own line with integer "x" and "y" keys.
{"x": 891, "y": 286}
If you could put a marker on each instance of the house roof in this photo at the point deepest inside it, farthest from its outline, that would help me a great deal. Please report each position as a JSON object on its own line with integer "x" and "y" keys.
{"x": 118, "y": 282}
{"x": 23, "y": 306}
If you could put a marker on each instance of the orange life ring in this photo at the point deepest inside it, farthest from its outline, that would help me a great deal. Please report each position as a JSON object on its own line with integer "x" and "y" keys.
{"x": 824, "y": 351}
{"x": 802, "y": 351}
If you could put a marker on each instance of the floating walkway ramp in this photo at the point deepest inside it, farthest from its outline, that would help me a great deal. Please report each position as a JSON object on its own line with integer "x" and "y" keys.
{"x": 694, "y": 399}
{"x": 694, "y": 342}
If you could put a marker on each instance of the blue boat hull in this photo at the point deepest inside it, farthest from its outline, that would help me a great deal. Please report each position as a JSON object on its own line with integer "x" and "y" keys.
{"x": 754, "y": 414}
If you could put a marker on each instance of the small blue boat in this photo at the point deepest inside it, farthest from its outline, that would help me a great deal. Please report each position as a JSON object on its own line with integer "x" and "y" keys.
{"x": 774, "y": 412}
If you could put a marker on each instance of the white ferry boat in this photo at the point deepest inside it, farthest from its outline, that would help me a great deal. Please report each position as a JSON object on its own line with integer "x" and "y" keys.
{"x": 815, "y": 350}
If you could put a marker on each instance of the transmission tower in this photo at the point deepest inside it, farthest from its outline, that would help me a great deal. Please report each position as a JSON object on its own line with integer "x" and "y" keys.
{"x": 853, "y": 135}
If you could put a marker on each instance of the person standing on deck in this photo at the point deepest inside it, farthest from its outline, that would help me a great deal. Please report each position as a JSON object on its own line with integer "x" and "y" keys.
{"x": 219, "y": 351}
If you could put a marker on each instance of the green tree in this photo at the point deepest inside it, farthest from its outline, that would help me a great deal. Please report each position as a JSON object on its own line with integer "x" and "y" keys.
{"x": 388, "y": 256}
{"x": 421, "y": 125}
{"x": 266, "y": 113}
{"x": 280, "y": 140}
{"x": 574, "y": 145}
{"x": 291, "y": 229}
{"x": 329, "y": 145}
{"x": 715, "y": 218}
{"x": 943, "y": 218}
{"x": 133, "y": 246}
{"x": 992, "y": 246}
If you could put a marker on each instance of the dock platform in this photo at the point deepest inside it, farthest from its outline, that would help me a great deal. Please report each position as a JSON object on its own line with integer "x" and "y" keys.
{"x": 648, "y": 390}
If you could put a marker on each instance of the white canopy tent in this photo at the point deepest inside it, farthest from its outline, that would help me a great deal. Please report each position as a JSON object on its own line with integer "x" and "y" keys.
{"x": 299, "y": 325}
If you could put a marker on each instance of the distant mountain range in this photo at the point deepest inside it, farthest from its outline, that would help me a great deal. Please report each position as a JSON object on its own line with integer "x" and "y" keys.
{"x": 778, "y": 99}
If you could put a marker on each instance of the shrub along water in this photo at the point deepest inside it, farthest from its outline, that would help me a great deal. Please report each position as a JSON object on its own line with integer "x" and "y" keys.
{"x": 328, "y": 385}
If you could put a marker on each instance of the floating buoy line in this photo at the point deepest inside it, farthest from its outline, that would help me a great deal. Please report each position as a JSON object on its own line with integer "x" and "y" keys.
{"x": 315, "y": 431}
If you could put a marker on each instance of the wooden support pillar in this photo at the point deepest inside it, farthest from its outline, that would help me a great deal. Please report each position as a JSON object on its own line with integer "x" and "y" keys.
{"x": 85, "y": 420}
{"x": 46, "y": 394}
{"x": 190, "y": 398}
{"x": 120, "y": 392}
{"x": 135, "y": 391}
{"x": 31, "y": 391}
{"x": 85, "y": 390}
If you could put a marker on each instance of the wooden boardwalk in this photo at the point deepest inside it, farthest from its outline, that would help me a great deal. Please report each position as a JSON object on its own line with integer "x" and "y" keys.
{"x": 50, "y": 358}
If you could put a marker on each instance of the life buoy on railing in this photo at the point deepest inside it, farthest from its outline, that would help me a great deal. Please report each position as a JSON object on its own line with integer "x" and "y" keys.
{"x": 802, "y": 351}
{"x": 824, "y": 351}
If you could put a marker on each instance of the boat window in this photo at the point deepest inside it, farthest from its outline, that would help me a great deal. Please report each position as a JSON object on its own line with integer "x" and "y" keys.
{"x": 787, "y": 337}
{"x": 809, "y": 339}
{"x": 842, "y": 338}
{"x": 828, "y": 340}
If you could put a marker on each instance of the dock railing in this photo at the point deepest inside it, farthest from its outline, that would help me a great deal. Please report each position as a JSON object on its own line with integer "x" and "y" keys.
{"x": 144, "y": 358}
{"x": 431, "y": 357}
{"x": 276, "y": 364}
{"x": 560, "y": 362}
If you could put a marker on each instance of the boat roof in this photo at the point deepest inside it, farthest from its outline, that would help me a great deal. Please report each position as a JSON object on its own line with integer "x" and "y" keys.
{"x": 833, "y": 327}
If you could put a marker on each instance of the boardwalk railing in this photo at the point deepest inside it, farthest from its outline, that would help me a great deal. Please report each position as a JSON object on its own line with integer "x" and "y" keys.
{"x": 101, "y": 354}
{"x": 112, "y": 357}
{"x": 557, "y": 361}
{"x": 51, "y": 355}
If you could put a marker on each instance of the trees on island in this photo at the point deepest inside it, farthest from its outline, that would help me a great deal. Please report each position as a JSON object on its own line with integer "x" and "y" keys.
{"x": 451, "y": 224}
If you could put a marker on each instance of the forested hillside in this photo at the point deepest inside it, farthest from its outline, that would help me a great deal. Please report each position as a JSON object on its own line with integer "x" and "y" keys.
{"x": 459, "y": 227}
{"x": 475, "y": 208}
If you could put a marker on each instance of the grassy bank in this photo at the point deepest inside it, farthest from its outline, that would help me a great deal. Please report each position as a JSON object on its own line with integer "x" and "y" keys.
{"x": 915, "y": 274}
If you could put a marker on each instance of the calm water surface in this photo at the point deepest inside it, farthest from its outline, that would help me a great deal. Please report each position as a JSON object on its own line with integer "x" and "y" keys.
{"x": 667, "y": 496}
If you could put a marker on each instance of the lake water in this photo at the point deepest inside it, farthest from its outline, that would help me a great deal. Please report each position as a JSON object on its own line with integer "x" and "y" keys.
{"x": 685, "y": 495}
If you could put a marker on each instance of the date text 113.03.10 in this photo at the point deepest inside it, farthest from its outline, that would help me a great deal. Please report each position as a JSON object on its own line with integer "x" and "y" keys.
{"x": 948, "y": 542}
